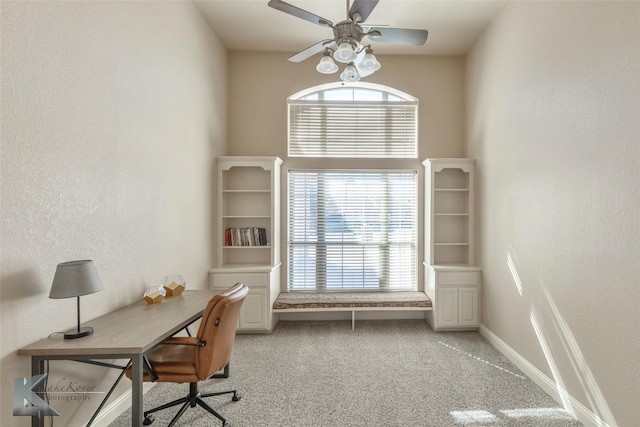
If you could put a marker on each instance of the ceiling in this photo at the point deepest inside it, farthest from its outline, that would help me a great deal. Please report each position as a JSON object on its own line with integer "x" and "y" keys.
{"x": 454, "y": 25}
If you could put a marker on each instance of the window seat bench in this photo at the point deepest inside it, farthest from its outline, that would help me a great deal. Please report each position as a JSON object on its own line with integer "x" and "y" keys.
{"x": 291, "y": 302}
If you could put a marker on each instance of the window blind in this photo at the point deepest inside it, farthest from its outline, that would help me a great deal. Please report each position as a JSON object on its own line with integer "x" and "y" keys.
{"x": 352, "y": 230}
{"x": 374, "y": 129}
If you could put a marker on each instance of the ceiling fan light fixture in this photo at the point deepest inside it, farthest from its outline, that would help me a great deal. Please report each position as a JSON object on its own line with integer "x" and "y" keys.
{"x": 326, "y": 64}
{"x": 346, "y": 46}
{"x": 369, "y": 61}
{"x": 350, "y": 74}
{"x": 345, "y": 53}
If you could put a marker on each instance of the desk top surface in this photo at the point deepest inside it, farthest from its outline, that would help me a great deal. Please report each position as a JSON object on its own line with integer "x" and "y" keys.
{"x": 133, "y": 329}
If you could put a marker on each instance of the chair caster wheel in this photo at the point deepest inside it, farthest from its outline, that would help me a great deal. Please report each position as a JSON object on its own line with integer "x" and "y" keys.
{"x": 148, "y": 420}
{"x": 236, "y": 397}
{"x": 226, "y": 424}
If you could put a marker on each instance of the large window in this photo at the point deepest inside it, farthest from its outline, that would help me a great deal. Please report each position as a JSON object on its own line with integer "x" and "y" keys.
{"x": 352, "y": 229}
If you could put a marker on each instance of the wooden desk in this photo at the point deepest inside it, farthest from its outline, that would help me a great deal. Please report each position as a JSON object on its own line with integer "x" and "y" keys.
{"x": 127, "y": 333}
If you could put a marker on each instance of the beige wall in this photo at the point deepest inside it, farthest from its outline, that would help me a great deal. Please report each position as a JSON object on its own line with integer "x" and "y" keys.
{"x": 553, "y": 100}
{"x": 260, "y": 82}
{"x": 112, "y": 114}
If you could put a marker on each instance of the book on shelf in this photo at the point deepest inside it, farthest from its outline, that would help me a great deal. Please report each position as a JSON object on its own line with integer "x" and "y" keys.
{"x": 248, "y": 236}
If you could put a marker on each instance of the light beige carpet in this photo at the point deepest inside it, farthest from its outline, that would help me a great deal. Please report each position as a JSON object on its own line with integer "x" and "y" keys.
{"x": 385, "y": 373}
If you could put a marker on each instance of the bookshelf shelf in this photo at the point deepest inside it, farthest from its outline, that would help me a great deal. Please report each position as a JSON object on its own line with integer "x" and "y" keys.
{"x": 246, "y": 191}
{"x": 247, "y": 216}
{"x": 247, "y": 247}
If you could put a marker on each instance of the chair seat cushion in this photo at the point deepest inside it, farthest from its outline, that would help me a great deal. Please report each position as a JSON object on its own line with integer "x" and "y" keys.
{"x": 172, "y": 363}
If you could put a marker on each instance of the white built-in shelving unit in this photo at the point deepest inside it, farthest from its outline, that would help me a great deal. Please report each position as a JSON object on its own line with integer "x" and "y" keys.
{"x": 248, "y": 235}
{"x": 452, "y": 279}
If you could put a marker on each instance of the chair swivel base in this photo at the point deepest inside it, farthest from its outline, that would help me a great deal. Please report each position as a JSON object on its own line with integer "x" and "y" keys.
{"x": 194, "y": 398}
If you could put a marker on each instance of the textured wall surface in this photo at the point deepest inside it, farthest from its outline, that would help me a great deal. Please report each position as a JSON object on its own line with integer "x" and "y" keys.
{"x": 112, "y": 115}
{"x": 553, "y": 104}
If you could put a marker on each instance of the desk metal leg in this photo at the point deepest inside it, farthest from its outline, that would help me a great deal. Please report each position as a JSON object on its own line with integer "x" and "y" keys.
{"x": 37, "y": 368}
{"x": 113, "y": 387}
{"x": 136, "y": 390}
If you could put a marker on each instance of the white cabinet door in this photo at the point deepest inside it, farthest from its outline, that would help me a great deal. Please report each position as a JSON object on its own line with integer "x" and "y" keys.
{"x": 468, "y": 307}
{"x": 254, "y": 310}
{"x": 447, "y": 310}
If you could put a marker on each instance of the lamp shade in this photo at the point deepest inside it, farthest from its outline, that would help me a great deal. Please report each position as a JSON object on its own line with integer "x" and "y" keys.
{"x": 350, "y": 74}
{"x": 326, "y": 65}
{"x": 74, "y": 279}
{"x": 345, "y": 53}
{"x": 370, "y": 62}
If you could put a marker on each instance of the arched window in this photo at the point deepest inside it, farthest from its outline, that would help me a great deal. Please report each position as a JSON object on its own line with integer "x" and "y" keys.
{"x": 361, "y": 120}
{"x": 352, "y": 229}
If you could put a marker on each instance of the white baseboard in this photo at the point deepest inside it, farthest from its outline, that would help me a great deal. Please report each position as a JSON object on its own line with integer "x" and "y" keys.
{"x": 578, "y": 410}
{"x": 120, "y": 404}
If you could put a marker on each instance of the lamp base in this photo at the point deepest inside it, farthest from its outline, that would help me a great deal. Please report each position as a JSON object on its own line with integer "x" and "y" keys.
{"x": 75, "y": 333}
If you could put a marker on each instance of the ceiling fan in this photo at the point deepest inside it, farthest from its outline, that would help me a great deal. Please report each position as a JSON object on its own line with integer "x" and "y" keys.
{"x": 347, "y": 46}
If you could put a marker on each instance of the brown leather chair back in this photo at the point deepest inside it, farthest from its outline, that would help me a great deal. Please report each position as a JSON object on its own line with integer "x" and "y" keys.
{"x": 218, "y": 330}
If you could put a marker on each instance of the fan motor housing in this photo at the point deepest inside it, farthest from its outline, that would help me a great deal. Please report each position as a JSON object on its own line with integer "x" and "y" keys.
{"x": 347, "y": 31}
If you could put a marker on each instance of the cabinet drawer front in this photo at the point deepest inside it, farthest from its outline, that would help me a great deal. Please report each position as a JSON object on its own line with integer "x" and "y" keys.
{"x": 458, "y": 278}
{"x": 223, "y": 281}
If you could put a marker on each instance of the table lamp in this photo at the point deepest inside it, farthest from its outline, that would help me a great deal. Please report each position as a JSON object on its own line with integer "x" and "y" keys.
{"x": 74, "y": 279}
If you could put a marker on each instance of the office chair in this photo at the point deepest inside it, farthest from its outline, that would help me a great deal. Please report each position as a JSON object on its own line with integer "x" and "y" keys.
{"x": 195, "y": 359}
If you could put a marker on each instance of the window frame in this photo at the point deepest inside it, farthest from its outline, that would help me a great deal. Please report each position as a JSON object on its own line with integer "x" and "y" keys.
{"x": 354, "y": 164}
{"x": 326, "y": 243}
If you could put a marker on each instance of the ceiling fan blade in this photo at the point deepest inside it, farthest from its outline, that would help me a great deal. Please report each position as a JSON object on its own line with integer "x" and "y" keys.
{"x": 296, "y": 11}
{"x": 310, "y": 51}
{"x": 399, "y": 36}
{"x": 362, "y": 8}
